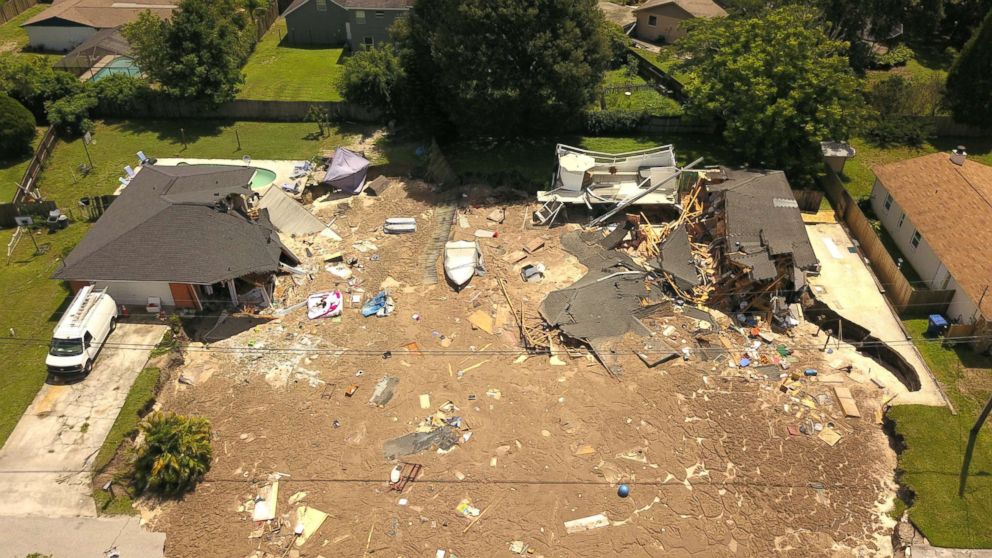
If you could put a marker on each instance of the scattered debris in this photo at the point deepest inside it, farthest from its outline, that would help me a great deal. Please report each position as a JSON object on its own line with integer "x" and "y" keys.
{"x": 400, "y": 225}
{"x": 383, "y": 392}
{"x": 587, "y": 523}
{"x": 445, "y": 438}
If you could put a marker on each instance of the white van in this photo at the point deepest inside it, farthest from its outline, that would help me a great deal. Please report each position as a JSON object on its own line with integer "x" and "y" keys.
{"x": 81, "y": 333}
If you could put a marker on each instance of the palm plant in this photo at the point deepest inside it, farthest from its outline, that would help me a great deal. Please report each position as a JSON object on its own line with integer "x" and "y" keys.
{"x": 174, "y": 454}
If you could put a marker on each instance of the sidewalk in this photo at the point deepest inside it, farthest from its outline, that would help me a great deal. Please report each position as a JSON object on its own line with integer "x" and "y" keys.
{"x": 78, "y": 537}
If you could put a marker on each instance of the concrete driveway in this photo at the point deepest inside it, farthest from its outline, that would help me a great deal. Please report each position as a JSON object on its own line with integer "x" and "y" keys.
{"x": 45, "y": 464}
{"x": 847, "y": 285}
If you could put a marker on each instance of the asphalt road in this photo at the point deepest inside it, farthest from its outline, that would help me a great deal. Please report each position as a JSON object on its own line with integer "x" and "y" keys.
{"x": 45, "y": 464}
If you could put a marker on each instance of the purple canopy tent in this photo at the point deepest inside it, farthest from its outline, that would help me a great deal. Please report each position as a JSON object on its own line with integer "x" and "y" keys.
{"x": 347, "y": 171}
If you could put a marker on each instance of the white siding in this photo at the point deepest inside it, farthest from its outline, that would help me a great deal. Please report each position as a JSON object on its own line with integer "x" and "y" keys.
{"x": 137, "y": 292}
{"x": 57, "y": 38}
{"x": 923, "y": 259}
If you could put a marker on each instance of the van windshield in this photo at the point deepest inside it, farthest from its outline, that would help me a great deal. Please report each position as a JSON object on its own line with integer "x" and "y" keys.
{"x": 66, "y": 347}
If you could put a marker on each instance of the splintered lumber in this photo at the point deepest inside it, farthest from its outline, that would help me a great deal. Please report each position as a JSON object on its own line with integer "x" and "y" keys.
{"x": 847, "y": 402}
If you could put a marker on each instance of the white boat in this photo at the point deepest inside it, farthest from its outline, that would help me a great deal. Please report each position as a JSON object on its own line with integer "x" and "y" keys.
{"x": 462, "y": 258}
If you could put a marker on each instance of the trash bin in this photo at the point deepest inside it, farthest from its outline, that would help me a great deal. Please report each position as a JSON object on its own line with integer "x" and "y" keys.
{"x": 63, "y": 221}
{"x": 936, "y": 325}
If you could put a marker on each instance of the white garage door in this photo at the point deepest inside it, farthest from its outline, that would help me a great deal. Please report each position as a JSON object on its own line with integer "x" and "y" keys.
{"x": 137, "y": 292}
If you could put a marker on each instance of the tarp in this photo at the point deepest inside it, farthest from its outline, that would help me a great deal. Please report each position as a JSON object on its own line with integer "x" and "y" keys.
{"x": 347, "y": 171}
{"x": 287, "y": 215}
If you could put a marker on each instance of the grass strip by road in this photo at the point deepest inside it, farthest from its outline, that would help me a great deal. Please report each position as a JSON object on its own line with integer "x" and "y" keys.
{"x": 930, "y": 464}
{"x": 139, "y": 401}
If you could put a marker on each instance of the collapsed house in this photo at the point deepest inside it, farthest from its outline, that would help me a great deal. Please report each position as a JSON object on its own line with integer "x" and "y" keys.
{"x": 761, "y": 247}
{"x": 590, "y": 178}
{"x": 182, "y": 236}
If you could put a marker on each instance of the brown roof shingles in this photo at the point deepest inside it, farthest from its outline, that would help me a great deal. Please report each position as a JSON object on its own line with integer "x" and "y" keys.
{"x": 698, "y": 8}
{"x": 102, "y": 14}
{"x": 951, "y": 206}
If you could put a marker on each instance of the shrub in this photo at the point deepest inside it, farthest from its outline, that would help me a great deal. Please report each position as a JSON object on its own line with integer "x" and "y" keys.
{"x": 116, "y": 94}
{"x": 612, "y": 121}
{"x": 899, "y": 130}
{"x": 896, "y": 56}
{"x": 71, "y": 114}
{"x": 34, "y": 83}
{"x": 371, "y": 78}
{"x": 174, "y": 454}
{"x": 17, "y": 127}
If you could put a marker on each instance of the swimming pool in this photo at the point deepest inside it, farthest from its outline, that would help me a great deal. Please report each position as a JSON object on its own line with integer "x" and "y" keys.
{"x": 119, "y": 65}
{"x": 259, "y": 180}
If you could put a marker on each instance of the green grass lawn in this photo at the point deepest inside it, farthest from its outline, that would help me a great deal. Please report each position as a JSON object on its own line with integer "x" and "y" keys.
{"x": 935, "y": 441}
{"x": 278, "y": 72}
{"x": 11, "y": 171}
{"x": 138, "y": 401}
{"x": 858, "y": 177}
{"x": 649, "y": 101}
{"x": 30, "y": 302}
{"x": 929, "y": 62}
{"x": 13, "y": 38}
{"x": 117, "y": 143}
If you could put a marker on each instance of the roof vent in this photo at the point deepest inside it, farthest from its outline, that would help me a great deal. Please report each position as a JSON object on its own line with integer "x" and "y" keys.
{"x": 959, "y": 156}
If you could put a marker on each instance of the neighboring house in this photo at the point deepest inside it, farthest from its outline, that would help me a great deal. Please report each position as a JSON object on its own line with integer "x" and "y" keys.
{"x": 184, "y": 234}
{"x": 355, "y": 23}
{"x": 659, "y": 21}
{"x": 938, "y": 210}
{"x": 67, "y": 23}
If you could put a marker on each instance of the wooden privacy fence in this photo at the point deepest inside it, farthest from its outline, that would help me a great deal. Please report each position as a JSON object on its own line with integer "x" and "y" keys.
{"x": 38, "y": 210}
{"x": 650, "y": 72}
{"x": 245, "y": 109}
{"x": 13, "y": 8}
{"x": 674, "y": 125}
{"x": 904, "y": 297}
{"x": 808, "y": 200}
{"x": 29, "y": 182}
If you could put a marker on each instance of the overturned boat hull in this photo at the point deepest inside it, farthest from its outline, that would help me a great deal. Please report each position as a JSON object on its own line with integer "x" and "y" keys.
{"x": 461, "y": 260}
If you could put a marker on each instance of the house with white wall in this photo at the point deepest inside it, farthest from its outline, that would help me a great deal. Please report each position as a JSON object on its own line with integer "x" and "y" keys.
{"x": 938, "y": 209}
{"x": 67, "y": 23}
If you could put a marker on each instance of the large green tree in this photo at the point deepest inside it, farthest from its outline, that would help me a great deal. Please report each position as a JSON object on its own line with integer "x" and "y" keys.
{"x": 17, "y": 128}
{"x": 502, "y": 67}
{"x": 777, "y": 83}
{"x": 197, "y": 54}
{"x": 969, "y": 83}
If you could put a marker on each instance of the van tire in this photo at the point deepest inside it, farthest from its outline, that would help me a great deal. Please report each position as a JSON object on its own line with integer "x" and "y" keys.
{"x": 113, "y": 325}
{"x": 87, "y": 368}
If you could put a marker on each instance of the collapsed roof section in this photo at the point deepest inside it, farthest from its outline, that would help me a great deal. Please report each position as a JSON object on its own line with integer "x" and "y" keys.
{"x": 608, "y": 300}
{"x": 759, "y": 220}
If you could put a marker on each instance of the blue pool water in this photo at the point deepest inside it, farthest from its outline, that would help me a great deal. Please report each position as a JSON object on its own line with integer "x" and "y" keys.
{"x": 119, "y": 65}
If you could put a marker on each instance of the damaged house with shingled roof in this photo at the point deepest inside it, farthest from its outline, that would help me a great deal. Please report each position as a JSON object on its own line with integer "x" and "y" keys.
{"x": 184, "y": 236}
{"x": 762, "y": 246}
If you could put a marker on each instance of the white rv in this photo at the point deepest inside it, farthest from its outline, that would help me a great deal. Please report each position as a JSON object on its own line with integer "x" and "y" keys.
{"x": 81, "y": 333}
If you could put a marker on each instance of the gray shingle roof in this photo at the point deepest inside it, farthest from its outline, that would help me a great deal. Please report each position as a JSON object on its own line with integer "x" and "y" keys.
{"x": 165, "y": 226}
{"x": 763, "y": 221}
{"x": 677, "y": 260}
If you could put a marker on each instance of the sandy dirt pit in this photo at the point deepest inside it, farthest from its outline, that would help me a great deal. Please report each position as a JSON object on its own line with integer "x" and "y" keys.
{"x": 706, "y": 449}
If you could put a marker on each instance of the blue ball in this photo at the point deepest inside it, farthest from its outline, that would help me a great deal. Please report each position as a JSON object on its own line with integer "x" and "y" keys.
{"x": 623, "y": 491}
